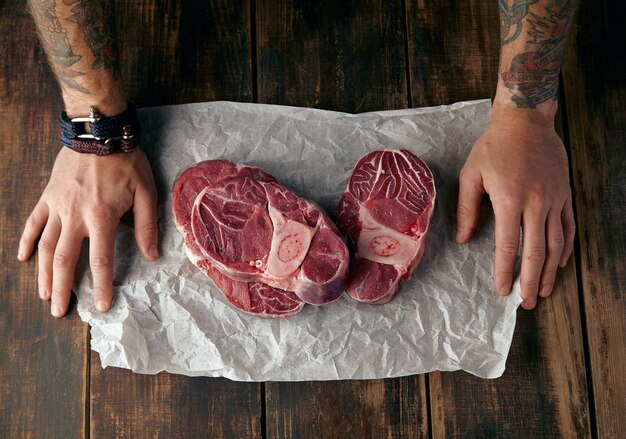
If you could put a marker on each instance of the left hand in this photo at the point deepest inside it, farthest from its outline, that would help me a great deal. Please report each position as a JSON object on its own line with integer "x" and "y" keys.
{"x": 521, "y": 162}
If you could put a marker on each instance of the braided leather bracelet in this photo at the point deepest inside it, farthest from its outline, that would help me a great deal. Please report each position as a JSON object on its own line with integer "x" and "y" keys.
{"x": 108, "y": 135}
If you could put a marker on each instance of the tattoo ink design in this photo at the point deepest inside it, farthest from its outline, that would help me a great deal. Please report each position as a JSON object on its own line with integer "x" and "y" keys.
{"x": 533, "y": 76}
{"x": 512, "y": 14}
{"x": 96, "y": 20}
{"x": 54, "y": 39}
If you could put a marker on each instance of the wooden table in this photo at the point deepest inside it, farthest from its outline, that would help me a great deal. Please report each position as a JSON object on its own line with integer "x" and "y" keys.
{"x": 565, "y": 372}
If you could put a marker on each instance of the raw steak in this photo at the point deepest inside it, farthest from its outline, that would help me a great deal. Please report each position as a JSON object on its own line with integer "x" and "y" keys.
{"x": 251, "y": 297}
{"x": 385, "y": 212}
{"x": 254, "y": 230}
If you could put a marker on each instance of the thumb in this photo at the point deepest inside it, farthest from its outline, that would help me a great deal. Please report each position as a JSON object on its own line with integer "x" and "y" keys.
{"x": 468, "y": 208}
{"x": 146, "y": 227}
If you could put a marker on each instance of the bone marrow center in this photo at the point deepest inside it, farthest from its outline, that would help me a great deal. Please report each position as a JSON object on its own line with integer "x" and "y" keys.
{"x": 290, "y": 247}
{"x": 384, "y": 246}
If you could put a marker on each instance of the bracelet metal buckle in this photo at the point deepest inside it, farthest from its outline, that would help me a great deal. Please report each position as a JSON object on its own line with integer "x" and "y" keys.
{"x": 126, "y": 136}
{"x": 94, "y": 116}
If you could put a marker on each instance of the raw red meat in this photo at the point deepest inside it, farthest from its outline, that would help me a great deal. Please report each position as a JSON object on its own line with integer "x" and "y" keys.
{"x": 386, "y": 211}
{"x": 254, "y": 230}
{"x": 251, "y": 297}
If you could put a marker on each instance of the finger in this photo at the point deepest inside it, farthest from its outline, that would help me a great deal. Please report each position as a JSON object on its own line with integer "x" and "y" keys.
{"x": 468, "y": 208}
{"x": 63, "y": 266}
{"x": 146, "y": 227}
{"x": 554, "y": 249}
{"x": 533, "y": 256}
{"x": 507, "y": 245}
{"x": 34, "y": 224}
{"x": 47, "y": 245}
{"x": 101, "y": 253}
{"x": 569, "y": 231}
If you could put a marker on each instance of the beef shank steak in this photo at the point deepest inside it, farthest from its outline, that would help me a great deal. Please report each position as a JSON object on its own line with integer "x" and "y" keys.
{"x": 254, "y": 230}
{"x": 385, "y": 212}
{"x": 251, "y": 297}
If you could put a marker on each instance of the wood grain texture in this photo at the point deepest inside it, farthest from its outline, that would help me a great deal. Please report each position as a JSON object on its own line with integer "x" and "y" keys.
{"x": 453, "y": 50}
{"x": 391, "y": 408}
{"x": 595, "y": 96}
{"x": 177, "y": 52}
{"x": 128, "y": 405}
{"x": 346, "y": 56}
{"x": 453, "y": 56}
{"x": 43, "y": 367}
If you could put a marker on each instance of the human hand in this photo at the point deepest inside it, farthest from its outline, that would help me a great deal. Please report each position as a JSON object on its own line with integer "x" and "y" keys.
{"x": 86, "y": 197}
{"x": 521, "y": 162}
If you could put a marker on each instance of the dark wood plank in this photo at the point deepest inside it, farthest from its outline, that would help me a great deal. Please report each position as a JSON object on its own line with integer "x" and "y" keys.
{"x": 453, "y": 50}
{"x": 391, "y": 408}
{"x": 595, "y": 97}
{"x": 345, "y": 56}
{"x": 454, "y": 56}
{"x": 43, "y": 365}
{"x": 172, "y": 406}
{"x": 177, "y": 52}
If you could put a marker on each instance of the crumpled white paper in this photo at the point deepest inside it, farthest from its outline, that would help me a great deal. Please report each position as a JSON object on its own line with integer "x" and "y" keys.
{"x": 168, "y": 316}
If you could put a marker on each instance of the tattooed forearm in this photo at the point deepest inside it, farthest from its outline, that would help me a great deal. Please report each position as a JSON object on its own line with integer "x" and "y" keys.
{"x": 56, "y": 43}
{"x": 96, "y": 20}
{"x": 533, "y": 75}
{"x": 512, "y": 14}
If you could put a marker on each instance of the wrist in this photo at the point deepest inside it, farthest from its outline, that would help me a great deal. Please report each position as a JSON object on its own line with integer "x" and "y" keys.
{"x": 108, "y": 103}
{"x": 99, "y": 134}
{"x": 505, "y": 109}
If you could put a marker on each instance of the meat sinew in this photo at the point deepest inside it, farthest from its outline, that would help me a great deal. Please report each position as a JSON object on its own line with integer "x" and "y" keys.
{"x": 385, "y": 211}
{"x": 251, "y": 229}
{"x": 251, "y": 297}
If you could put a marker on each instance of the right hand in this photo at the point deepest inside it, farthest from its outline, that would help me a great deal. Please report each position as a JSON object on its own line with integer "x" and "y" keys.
{"x": 86, "y": 197}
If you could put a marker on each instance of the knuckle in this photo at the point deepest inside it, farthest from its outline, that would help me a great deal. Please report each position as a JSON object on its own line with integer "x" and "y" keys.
{"x": 61, "y": 260}
{"x": 100, "y": 215}
{"x": 507, "y": 247}
{"x": 556, "y": 243}
{"x": 73, "y": 210}
{"x": 570, "y": 230}
{"x": 504, "y": 274}
{"x": 31, "y": 221}
{"x": 536, "y": 254}
{"x": 46, "y": 246}
{"x": 100, "y": 262}
{"x": 538, "y": 198}
{"x": 150, "y": 227}
{"x": 510, "y": 199}
{"x": 464, "y": 176}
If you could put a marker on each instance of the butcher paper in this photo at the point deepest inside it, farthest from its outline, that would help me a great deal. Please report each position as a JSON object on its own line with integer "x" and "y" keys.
{"x": 168, "y": 316}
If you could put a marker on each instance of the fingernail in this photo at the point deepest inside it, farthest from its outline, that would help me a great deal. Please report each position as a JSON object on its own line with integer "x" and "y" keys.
{"x": 546, "y": 290}
{"x": 55, "y": 310}
{"x": 460, "y": 234}
{"x": 43, "y": 293}
{"x": 562, "y": 262}
{"x": 20, "y": 255}
{"x": 101, "y": 306}
{"x": 530, "y": 302}
{"x": 153, "y": 252}
{"x": 504, "y": 291}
